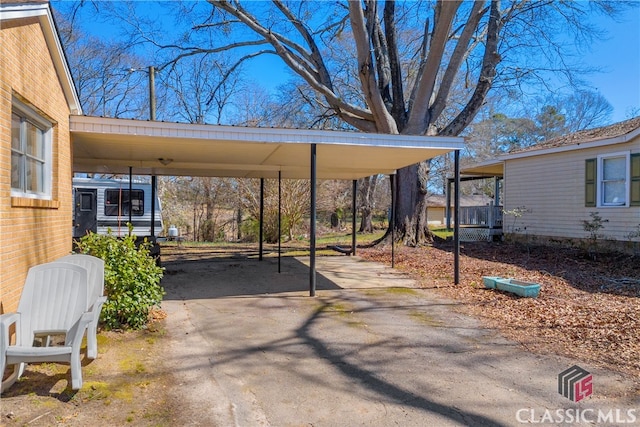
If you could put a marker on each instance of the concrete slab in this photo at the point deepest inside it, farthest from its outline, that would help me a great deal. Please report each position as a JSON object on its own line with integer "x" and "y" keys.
{"x": 251, "y": 348}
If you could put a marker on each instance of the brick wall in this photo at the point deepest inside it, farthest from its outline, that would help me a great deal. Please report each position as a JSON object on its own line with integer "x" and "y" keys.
{"x": 31, "y": 232}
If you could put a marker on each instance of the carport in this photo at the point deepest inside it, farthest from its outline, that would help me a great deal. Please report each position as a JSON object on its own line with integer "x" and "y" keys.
{"x": 123, "y": 146}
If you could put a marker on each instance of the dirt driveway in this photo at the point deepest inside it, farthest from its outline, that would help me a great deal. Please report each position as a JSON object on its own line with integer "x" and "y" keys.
{"x": 244, "y": 345}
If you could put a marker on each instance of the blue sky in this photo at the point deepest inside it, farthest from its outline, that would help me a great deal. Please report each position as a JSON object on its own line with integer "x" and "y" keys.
{"x": 619, "y": 57}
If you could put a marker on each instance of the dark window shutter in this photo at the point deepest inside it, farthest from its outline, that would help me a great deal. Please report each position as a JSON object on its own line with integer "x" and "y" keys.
{"x": 590, "y": 178}
{"x": 634, "y": 199}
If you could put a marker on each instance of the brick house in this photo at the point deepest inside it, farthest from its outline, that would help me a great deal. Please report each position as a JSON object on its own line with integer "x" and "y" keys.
{"x": 37, "y": 96}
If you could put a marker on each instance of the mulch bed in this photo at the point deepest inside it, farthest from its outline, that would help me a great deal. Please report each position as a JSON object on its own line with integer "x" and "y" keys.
{"x": 588, "y": 309}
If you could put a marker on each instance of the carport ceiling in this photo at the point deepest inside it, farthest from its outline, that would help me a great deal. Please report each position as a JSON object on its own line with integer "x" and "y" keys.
{"x": 111, "y": 146}
{"x": 487, "y": 169}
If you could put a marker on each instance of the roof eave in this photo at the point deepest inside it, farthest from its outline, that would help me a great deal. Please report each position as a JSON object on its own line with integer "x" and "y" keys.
{"x": 620, "y": 139}
{"x": 489, "y": 168}
{"x": 43, "y": 12}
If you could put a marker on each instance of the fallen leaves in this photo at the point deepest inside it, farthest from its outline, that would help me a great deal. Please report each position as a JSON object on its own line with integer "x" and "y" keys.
{"x": 587, "y": 310}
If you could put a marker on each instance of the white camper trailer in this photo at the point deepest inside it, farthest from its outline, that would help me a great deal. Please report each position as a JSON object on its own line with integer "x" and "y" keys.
{"x": 105, "y": 204}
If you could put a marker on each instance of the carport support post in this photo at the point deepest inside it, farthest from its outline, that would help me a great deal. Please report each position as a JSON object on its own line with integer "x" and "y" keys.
{"x": 130, "y": 194}
{"x": 448, "y": 203}
{"x": 154, "y": 190}
{"x": 279, "y": 218}
{"x": 312, "y": 226}
{"x": 353, "y": 219}
{"x": 456, "y": 216}
{"x": 261, "y": 218}
{"x": 392, "y": 221}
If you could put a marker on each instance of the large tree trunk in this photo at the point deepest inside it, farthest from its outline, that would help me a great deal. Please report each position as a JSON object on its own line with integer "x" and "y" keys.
{"x": 440, "y": 55}
{"x": 366, "y": 223}
{"x": 411, "y": 213}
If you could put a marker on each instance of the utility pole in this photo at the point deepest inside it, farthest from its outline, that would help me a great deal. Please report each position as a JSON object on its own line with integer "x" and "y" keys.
{"x": 152, "y": 93}
{"x": 151, "y": 71}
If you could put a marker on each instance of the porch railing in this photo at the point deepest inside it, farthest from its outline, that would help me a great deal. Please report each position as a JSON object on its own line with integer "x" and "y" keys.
{"x": 481, "y": 216}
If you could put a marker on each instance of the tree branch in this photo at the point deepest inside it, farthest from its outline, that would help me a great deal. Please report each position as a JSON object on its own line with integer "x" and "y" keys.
{"x": 460, "y": 52}
{"x": 419, "y": 115}
{"x": 421, "y": 63}
{"x": 490, "y": 60}
{"x": 296, "y": 58}
{"x": 200, "y": 51}
{"x": 315, "y": 57}
{"x": 397, "y": 91}
{"x": 383, "y": 120}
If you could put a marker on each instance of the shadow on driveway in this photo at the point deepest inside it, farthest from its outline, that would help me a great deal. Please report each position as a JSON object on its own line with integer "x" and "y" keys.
{"x": 369, "y": 349}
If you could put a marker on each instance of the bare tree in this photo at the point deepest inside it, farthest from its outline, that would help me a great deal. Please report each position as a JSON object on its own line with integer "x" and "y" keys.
{"x": 203, "y": 208}
{"x": 200, "y": 89}
{"x": 253, "y": 106}
{"x": 497, "y": 133}
{"x": 584, "y": 109}
{"x": 102, "y": 72}
{"x": 405, "y": 88}
{"x": 414, "y": 68}
{"x": 334, "y": 198}
{"x": 294, "y": 205}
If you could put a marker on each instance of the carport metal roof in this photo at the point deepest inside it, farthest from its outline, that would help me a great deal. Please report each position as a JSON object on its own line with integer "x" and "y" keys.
{"x": 112, "y": 146}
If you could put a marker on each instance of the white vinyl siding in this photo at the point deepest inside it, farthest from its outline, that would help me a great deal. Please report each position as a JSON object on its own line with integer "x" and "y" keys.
{"x": 552, "y": 188}
{"x": 117, "y": 225}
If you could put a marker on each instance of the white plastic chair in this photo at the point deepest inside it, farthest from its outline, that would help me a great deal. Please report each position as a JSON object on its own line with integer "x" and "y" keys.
{"x": 96, "y": 298}
{"x": 53, "y": 302}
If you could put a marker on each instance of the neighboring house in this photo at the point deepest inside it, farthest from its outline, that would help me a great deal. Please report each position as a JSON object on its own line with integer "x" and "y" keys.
{"x": 37, "y": 96}
{"x": 558, "y": 184}
{"x": 437, "y": 206}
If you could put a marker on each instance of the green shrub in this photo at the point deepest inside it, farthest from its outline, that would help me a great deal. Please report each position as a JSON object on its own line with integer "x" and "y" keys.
{"x": 250, "y": 230}
{"x": 131, "y": 279}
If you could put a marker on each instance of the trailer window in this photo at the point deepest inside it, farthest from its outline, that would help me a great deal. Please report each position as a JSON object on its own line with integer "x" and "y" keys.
{"x": 117, "y": 202}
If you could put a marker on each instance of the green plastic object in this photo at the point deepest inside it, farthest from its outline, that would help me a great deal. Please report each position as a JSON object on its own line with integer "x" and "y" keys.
{"x": 514, "y": 286}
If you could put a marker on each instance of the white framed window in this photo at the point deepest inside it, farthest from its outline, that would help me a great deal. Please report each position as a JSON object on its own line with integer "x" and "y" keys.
{"x": 31, "y": 153}
{"x": 613, "y": 179}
